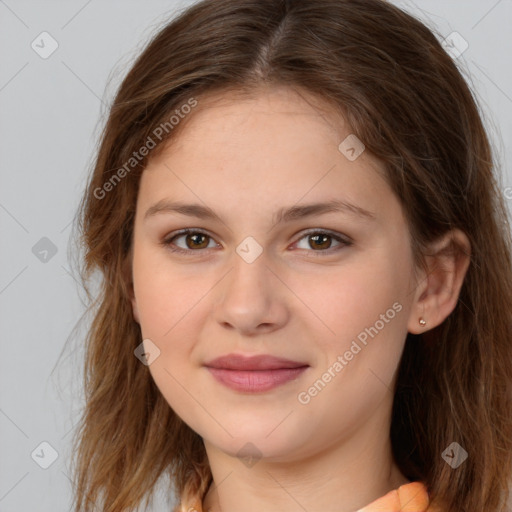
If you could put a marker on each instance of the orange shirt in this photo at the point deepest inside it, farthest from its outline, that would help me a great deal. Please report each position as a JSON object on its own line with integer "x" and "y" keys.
{"x": 412, "y": 497}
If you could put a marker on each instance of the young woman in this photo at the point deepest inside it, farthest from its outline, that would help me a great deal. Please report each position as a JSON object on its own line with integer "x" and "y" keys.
{"x": 306, "y": 300}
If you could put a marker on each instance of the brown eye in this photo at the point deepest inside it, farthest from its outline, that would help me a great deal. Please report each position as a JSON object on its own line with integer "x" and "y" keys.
{"x": 322, "y": 242}
{"x": 194, "y": 241}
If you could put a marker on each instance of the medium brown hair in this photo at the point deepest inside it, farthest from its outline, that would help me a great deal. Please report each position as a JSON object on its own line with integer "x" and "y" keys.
{"x": 406, "y": 99}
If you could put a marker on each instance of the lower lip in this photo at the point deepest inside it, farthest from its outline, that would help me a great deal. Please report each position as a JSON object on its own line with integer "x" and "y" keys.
{"x": 256, "y": 380}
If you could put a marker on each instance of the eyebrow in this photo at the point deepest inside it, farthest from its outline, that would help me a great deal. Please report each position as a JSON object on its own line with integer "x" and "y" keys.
{"x": 286, "y": 214}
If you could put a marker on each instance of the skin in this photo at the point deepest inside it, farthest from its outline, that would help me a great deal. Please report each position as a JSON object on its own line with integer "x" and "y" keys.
{"x": 246, "y": 157}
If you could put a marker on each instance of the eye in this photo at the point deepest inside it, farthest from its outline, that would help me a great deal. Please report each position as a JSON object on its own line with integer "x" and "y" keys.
{"x": 196, "y": 239}
{"x": 321, "y": 241}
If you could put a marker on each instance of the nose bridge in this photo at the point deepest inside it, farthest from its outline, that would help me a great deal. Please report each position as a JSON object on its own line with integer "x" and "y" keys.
{"x": 249, "y": 276}
{"x": 249, "y": 297}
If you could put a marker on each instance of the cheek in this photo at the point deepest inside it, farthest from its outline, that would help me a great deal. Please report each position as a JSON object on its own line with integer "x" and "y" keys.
{"x": 366, "y": 314}
{"x": 353, "y": 299}
{"x": 355, "y": 374}
{"x": 173, "y": 307}
{"x": 169, "y": 311}
{"x": 162, "y": 295}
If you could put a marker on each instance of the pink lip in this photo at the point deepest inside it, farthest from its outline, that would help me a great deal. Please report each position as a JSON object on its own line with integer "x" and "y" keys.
{"x": 255, "y": 380}
{"x": 256, "y": 373}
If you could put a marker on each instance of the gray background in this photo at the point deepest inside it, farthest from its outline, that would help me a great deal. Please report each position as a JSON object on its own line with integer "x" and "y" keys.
{"x": 51, "y": 112}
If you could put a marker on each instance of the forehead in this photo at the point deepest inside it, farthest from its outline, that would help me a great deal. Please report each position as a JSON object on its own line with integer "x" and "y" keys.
{"x": 230, "y": 114}
{"x": 276, "y": 147}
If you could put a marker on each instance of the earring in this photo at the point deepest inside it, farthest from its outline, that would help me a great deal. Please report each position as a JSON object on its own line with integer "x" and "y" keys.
{"x": 422, "y": 322}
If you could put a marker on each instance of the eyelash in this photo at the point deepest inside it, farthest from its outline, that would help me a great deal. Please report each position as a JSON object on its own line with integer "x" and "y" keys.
{"x": 344, "y": 241}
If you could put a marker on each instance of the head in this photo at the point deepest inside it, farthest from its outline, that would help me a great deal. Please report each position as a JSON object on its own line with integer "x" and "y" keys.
{"x": 248, "y": 109}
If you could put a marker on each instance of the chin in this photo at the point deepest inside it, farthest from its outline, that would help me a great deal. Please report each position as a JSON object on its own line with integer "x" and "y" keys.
{"x": 254, "y": 444}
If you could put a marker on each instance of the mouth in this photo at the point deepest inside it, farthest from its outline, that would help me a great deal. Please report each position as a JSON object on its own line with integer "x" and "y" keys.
{"x": 255, "y": 373}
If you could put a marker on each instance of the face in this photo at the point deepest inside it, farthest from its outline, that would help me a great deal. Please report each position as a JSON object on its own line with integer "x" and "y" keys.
{"x": 328, "y": 289}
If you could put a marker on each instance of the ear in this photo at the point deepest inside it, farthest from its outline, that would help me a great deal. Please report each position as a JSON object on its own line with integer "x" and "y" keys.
{"x": 128, "y": 279}
{"x": 438, "y": 286}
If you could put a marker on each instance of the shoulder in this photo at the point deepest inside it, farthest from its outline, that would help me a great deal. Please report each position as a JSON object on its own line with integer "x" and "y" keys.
{"x": 414, "y": 496}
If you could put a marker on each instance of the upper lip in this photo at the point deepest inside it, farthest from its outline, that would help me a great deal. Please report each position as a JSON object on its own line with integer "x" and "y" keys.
{"x": 261, "y": 362}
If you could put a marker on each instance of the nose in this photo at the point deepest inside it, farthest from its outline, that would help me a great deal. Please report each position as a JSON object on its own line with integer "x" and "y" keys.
{"x": 252, "y": 298}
